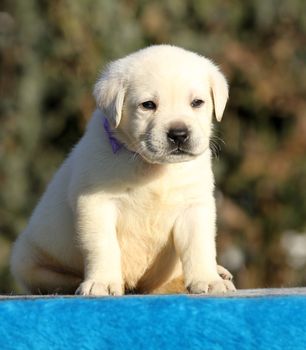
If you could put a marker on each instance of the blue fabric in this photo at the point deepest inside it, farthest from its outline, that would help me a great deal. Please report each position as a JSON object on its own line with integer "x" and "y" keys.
{"x": 154, "y": 322}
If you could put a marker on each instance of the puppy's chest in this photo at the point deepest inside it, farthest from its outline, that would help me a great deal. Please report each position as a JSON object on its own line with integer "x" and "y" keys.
{"x": 149, "y": 212}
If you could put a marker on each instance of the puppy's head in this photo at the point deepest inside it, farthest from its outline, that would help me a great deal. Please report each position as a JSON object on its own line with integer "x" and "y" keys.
{"x": 161, "y": 100}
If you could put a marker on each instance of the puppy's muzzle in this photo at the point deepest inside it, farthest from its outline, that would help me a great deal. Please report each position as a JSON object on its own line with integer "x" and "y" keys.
{"x": 178, "y": 135}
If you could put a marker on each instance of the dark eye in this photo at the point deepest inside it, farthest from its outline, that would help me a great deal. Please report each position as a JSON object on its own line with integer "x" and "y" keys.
{"x": 197, "y": 103}
{"x": 150, "y": 105}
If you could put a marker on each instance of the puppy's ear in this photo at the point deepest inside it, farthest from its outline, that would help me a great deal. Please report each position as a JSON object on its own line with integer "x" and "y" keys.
{"x": 219, "y": 89}
{"x": 109, "y": 93}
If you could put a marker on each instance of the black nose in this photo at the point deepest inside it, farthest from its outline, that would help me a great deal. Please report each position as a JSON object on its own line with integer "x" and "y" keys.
{"x": 178, "y": 135}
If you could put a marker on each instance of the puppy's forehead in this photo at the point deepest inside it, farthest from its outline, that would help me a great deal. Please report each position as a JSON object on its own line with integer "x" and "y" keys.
{"x": 185, "y": 73}
{"x": 166, "y": 85}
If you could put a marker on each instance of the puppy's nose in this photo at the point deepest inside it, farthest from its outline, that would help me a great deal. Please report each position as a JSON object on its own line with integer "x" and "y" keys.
{"x": 178, "y": 134}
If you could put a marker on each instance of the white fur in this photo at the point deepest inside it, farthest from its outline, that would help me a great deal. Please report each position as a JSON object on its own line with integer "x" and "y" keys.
{"x": 138, "y": 218}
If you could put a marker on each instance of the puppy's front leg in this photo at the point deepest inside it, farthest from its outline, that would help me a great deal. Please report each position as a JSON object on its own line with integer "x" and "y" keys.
{"x": 96, "y": 231}
{"x": 194, "y": 239}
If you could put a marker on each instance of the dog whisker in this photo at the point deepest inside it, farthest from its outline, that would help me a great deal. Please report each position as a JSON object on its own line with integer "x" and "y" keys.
{"x": 215, "y": 144}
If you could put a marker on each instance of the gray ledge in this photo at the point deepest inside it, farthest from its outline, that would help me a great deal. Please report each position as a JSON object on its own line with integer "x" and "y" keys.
{"x": 242, "y": 293}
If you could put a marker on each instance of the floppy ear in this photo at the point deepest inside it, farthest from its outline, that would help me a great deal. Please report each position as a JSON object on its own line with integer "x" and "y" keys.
{"x": 109, "y": 94}
{"x": 219, "y": 89}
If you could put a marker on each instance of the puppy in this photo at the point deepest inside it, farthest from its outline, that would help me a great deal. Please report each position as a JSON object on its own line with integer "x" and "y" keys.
{"x": 132, "y": 208}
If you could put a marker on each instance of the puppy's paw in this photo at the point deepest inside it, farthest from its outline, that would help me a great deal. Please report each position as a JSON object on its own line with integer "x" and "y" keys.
{"x": 98, "y": 288}
{"x": 224, "y": 273}
{"x": 218, "y": 286}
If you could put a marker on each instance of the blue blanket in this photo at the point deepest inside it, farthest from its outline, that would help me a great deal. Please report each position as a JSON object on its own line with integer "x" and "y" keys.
{"x": 154, "y": 322}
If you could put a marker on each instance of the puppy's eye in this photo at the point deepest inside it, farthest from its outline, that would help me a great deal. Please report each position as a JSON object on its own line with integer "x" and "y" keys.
{"x": 197, "y": 103}
{"x": 150, "y": 105}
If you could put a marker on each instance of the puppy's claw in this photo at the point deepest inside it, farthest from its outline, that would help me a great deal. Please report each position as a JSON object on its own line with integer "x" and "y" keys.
{"x": 230, "y": 286}
{"x": 224, "y": 273}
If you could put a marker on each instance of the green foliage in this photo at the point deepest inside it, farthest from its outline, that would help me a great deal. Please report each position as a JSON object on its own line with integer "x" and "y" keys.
{"x": 51, "y": 53}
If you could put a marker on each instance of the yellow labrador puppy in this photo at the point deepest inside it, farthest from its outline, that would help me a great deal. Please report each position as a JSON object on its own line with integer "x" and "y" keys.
{"x": 132, "y": 208}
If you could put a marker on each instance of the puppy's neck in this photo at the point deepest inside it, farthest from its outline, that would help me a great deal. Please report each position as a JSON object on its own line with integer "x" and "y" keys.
{"x": 115, "y": 144}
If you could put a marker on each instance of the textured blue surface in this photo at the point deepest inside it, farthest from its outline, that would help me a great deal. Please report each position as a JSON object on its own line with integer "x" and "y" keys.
{"x": 154, "y": 322}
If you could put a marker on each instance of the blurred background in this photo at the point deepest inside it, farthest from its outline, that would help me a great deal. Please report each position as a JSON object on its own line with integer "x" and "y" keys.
{"x": 50, "y": 55}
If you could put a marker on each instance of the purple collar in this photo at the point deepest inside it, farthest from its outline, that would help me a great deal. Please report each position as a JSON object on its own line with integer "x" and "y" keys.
{"x": 115, "y": 144}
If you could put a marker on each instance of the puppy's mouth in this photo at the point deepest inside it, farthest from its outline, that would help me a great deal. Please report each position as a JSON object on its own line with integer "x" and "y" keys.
{"x": 180, "y": 152}
{"x": 174, "y": 155}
